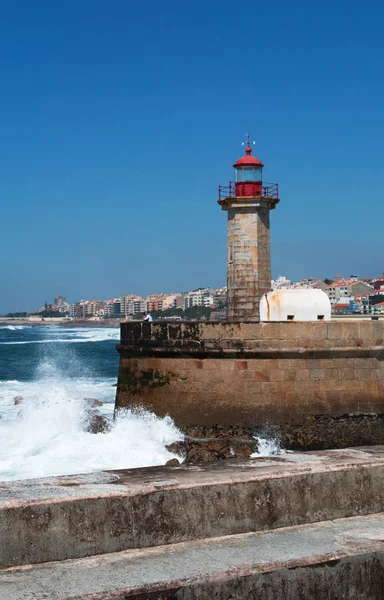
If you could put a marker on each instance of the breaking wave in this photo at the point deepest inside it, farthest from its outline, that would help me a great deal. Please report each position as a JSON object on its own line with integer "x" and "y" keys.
{"x": 46, "y": 431}
{"x": 14, "y": 327}
{"x": 45, "y": 434}
{"x": 68, "y": 336}
{"x": 268, "y": 446}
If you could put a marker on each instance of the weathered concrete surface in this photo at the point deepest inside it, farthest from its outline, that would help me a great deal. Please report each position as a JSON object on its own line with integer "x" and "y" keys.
{"x": 70, "y": 517}
{"x": 339, "y": 560}
{"x": 320, "y": 384}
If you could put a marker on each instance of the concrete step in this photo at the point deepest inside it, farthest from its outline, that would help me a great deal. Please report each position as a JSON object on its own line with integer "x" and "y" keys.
{"x": 76, "y": 516}
{"x": 332, "y": 560}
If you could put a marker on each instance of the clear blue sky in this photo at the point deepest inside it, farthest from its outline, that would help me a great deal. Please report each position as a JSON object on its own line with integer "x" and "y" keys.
{"x": 119, "y": 119}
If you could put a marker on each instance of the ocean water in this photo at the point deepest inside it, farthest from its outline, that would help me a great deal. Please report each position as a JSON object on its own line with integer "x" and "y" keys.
{"x": 54, "y": 369}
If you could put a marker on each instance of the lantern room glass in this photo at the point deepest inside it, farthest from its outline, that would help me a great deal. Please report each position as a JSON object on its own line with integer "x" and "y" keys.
{"x": 247, "y": 174}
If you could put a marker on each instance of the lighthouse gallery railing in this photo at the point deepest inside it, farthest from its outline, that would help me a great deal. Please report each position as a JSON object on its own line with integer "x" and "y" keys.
{"x": 269, "y": 190}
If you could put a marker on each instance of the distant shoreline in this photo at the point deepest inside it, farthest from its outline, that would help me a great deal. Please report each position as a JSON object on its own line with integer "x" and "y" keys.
{"x": 61, "y": 323}
{"x": 85, "y": 323}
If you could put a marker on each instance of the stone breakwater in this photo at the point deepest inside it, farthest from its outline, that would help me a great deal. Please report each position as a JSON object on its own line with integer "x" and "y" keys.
{"x": 314, "y": 385}
{"x": 306, "y": 526}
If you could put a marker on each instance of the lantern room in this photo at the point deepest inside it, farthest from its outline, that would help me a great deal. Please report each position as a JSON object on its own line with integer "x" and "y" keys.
{"x": 248, "y": 174}
{"x": 249, "y": 180}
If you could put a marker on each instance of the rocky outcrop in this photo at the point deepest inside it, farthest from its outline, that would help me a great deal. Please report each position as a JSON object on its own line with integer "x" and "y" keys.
{"x": 202, "y": 444}
{"x": 93, "y": 402}
{"x": 94, "y": 422}
{"x": 173, "y": 462}
{"x": 97, "y": 424}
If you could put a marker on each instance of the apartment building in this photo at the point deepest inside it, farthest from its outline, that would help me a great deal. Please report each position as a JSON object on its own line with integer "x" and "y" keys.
{"x": 134, "y": 306}
{"x": 343, "y": 288}
{"x": 219, "y": 301}
{"x": 169, "y": 301}
{"x": 75, "y": 310}
{"x": 202, "y": 297}
{"x": 112, "y": 308}
{"x": 154, "y": 305}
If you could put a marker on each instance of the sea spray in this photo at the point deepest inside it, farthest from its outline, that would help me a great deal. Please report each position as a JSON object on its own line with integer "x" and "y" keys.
{"x": 45, "y": 434}
{"x": 267, "y": 446}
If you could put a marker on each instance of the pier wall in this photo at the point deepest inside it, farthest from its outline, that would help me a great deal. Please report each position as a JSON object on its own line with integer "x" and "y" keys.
{"x": 317, "y": 384}
{"x": 304, "y": 525}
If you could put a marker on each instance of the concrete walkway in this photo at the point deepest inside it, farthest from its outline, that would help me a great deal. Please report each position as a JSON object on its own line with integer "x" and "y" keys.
{"x": 300, "y": 526}
{"x": 288, "y": 564}
{"x": 60, "y": 518}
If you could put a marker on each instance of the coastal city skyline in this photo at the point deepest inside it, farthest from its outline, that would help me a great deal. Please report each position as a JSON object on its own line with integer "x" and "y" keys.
{"x": 347, "y": 295}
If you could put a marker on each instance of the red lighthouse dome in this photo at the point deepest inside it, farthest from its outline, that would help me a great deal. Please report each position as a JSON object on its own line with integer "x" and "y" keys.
{"x": 248, "y": 174}
{"x": 248, "y": 182}
{"x": 248, "y": 160}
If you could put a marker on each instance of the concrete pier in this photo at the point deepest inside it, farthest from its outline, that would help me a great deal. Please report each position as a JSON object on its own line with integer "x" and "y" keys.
{"x": 326, "y": 561}
{"x": 308, "y": 526}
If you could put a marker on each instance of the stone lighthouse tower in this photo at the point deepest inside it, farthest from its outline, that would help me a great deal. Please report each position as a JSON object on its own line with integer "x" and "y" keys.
{"x": 248, "y": 201}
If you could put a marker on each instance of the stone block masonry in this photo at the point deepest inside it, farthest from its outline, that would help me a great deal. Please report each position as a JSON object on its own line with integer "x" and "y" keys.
{"x": 316, "y": 384}
{"x": 249, "y": 261}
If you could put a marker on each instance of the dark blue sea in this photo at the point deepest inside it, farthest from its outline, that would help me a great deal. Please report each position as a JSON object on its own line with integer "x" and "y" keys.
{"x": 74, "y": 351}
{"x": 54, "y": 371}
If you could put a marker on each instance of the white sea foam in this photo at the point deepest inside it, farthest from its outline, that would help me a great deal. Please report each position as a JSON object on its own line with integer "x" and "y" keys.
{"x": 46, "y": 386}
{"x": 97, "y": 334}
{"x": 267, "y": 446}
{"x": 13, "y": 327}
{"x": 72, "y": 336}
{"x": 44, "y": 435}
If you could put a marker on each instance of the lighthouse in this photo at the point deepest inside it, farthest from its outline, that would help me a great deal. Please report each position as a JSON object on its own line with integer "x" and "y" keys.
{"x": 248, "y": 201}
